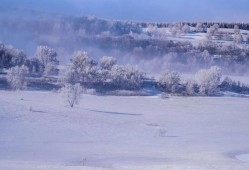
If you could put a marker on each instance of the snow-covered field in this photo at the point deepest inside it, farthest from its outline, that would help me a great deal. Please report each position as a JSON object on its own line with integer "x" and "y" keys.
{"x": 37, "y": 132}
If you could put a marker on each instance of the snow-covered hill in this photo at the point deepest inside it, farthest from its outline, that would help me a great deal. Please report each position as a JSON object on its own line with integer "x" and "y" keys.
{"x": 38, "y": 132}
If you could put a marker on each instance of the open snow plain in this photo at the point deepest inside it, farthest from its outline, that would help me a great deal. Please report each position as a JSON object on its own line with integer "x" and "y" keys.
{"x": 38, "y": 132}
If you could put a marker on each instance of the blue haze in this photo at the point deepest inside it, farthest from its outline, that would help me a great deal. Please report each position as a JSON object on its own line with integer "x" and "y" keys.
{"x": 142, "y": 10}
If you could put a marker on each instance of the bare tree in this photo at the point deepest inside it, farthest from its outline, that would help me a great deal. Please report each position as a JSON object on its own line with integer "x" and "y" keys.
{"x": 71, "y": 94}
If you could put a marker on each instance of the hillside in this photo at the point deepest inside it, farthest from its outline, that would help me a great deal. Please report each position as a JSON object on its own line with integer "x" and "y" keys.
{"x": 185, "y": 46}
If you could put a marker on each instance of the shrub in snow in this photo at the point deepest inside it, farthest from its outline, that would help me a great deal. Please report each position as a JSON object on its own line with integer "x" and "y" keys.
{"x": 164, "y": 95}
{"x": 169, "y": 81}
{"x": 16, "y": 77}
{"x": 209, "y": 80}
{"x": 71, "y": 94}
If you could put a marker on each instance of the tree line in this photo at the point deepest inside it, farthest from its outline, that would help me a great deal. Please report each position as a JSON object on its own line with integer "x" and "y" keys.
{"x": 106, "y": 74}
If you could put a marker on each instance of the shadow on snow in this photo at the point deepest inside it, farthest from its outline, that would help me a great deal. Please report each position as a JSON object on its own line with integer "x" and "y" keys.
{"x": 115, "y": 113}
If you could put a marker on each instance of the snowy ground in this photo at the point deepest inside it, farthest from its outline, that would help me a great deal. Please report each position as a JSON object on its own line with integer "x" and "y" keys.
{"x": 125, "y": 133}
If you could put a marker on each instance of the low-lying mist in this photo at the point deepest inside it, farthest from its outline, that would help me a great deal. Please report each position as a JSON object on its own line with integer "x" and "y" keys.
{"x": 130, "y": 42}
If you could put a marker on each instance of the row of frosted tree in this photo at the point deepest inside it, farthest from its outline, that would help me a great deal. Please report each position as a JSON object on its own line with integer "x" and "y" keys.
{"x": 105, "y": 74}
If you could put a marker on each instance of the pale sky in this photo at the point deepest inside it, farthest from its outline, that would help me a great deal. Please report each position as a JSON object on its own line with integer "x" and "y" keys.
{"x": 142, "y": 10}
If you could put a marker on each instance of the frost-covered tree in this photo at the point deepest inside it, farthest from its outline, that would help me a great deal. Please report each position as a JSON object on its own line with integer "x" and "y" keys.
{"x": 80, "y": 61}
{"x": 49, "y": 69}
{"x": 107, "y": 62}
{"x": 71, "y": 94}
{"x": 185, "y": 28}
{"x": 34, "y": 66}
{"x": 126, "y": 77}
{"x": 134, "y": 77}
{"x": 16, "y": 77}
{"x": 69, "y": 76}
{"x": 191, "y": 87}
{"x": 238, "y": 38}
{"x": 175, "y": 29}
{"x": 210, "y": 33}
{"x": 10, "y": 57}
{"x": 212, "y": 30}
{"x": 47, "y": 57}
{"x": 206, "y": 57}
{"x": 226, "y": 84}
{"x": 199, "y": 27}
{"x": 216, "y": 27}
{"x": 84, "y": 68}
{"x": 236, "y": 29}
{"x": 169, "y": 81}
{"x": 247, "y": 38}
{"x": 209, "y": 80}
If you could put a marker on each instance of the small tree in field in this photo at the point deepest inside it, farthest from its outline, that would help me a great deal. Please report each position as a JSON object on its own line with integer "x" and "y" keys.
{"x": 17, "y": 77}
{"x": 71, "y": 94}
